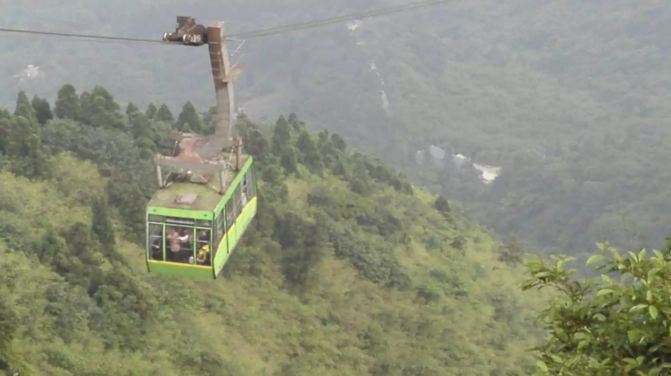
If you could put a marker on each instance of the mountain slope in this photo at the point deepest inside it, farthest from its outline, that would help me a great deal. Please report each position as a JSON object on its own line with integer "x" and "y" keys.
{"x": 348, "y": 269}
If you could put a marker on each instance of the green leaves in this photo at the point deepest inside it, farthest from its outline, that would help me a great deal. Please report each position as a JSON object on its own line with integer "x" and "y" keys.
{"x": 653, "y": 312}
{"x": 595, "y": 260}
{"x": 619, "y": 321}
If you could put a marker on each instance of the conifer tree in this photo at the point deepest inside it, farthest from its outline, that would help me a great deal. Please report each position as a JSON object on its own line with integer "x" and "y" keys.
{"x": 99, "y": 109}
{"x": 189, "y": 120}
{"x": 42, "y": 109}
{"x": 151, "y": 111}
{"x": 442, "y": 205}
{"x": 102, "y": 226}
{"x": 312, "y": 158}
{"x": 281, "y": 136}
{"x": 143, "y": 133}
{"x": 256, "y": 144}
{"x": 25, "y": 145}
{"x": 67, "y": 104}
{"x": 131, "y": 108}
{"x": 24, "y": 108}
{"x": 110, "y": 104}
{"x": 338, "y": 142}
{"x": 289, "y": 160}
{"x": 164, "y": 114}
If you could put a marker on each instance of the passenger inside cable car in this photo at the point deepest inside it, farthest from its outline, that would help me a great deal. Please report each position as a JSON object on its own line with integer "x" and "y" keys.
{"x": 178, "y": 244}
{"x": 203, "y": 255}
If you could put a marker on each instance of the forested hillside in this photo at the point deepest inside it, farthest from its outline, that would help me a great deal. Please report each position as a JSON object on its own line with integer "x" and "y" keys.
{"x": 569, "y": 98}
{"x": 348, "y": 268}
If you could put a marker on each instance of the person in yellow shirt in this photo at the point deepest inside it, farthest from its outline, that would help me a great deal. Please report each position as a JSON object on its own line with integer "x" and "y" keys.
{"x": 203, "y": 256}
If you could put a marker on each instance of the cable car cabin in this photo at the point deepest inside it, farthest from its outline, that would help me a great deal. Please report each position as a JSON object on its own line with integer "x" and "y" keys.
{"x": 192, "y": 229}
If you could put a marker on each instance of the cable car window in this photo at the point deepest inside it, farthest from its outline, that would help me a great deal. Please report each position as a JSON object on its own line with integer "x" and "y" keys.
{"x": 156, "y": 218}
{"x": 252, "y": 183}
{"x": 247, "y": 187}
{"x": 221, "y": 229}
{"x": 203, "y": 245}
{"x": 155, "y": 242}
{"x": 238, "y": 201}
{"x": 179, "y": 244}
{"x": 230, "y": 213}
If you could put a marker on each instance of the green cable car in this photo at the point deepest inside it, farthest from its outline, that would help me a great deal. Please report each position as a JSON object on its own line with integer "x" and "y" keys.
{"x": 207, "y": 192}
{"x": 193, "y": 229}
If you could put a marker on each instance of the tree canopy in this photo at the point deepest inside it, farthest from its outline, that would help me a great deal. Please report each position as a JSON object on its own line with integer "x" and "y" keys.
{"x": 618, "y": 323}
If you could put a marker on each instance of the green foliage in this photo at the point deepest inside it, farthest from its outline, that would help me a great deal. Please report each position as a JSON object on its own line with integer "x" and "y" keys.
{"x": 188, "y": 120}
{"x": 131, "y": 108}
{"x": 99, "y": 109}
{"x": 304, "y": 247}
{"x": 24, "y": 145}
{"x": 289, "y": 160}
{"x": 458, "y": 242}
{"x": 257, "y": 145}
{"x": 67, "y": 104}
{"x": 42, "y": 109}
{"x": 281, "y": 136}
{"x": 512, "y": 252}
{"x": 360, "y": 183}
{"x": 374, "y": 263}
{"x": 101, "y": 225}
{"x": 24, "y": 108}
{"x": 8, "y": 324}
{"x": 151, "y": 111}
{"x": 442, "y": 205}
{"x": 144, "y": 134}
{"x": 164, "y": 114}
{"x": 311, "y": 156}
{"x": 618, "y": 324}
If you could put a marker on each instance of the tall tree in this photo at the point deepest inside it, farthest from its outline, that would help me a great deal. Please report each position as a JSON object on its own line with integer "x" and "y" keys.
{"x": 256, "y": 144}
{"x": 189, "y": 120}
{"x": 151, "y": 111}
{"x": 42, "y": 109}
{"x": 131, "y": 108}
{"x": 281, "y": 136}
{"x": 289, "y": 161}
{"x": 143, "y": 133}
{"x": 99, "y": 109}
{"x": 102, "y": 227}
{"x": 311, "y": 156}
{"x": 67, "y": 103}
{"x": 164, "y": 114}
{"x": 24, "y": 108}
{"x": 110, "y": 104}
{"x": 25, "y": 146}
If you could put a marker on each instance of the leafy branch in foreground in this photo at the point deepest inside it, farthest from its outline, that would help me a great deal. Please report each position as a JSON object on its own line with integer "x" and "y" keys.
{"x": 619, "y": 324}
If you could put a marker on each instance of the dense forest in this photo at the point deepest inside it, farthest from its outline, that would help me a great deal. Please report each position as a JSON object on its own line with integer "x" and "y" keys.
{"x": 569, "y": 98}
{"x": 348, "y": 268}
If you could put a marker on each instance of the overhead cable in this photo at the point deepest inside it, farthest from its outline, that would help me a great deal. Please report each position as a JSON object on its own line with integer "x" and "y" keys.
{"x": 338, "y": 19}
{"x": 380, "y": 12}
{"x": 81, "y": 36}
